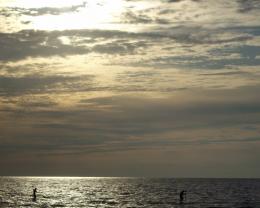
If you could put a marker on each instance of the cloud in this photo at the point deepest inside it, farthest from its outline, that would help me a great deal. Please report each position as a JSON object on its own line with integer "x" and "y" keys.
{"x": 176, "y": 1}
{"x": 8, "y": 11}
{"x": 34, "y": 44}
{"x": 31, "y": 43}
{"x": 171, "y": 89}
{"x": 37, "y": 84}
{"x": 245, "y": 51}
{"x": 248, "y": 5}
{"x": 122, "y": 123}
{"x": 131, "y": 17}
{"x": 196, "y": 62}
{"x": 119, "y": 47}
{"x": 227, "y": 73}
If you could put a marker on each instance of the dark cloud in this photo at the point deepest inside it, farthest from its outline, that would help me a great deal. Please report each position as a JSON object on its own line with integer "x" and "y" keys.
{"x": 227, "y": 73}
{"x": 35, "y": 44}
{"x": 245, "y": 51}
{"x": 131, "y": 17}
{"x": 196, "y": 62}
{"x": 10, "y": 86}
{"x": 31, "y": 43}
{"x": 119, "y": 47}
{"x": 248, "y": 5}
{"x": 29, "y": 68}
{"x": 134, "y": 123}
{"x": 144, "y": 81}
{"x": 203, "y": 35}
{"x": 251, "y": 30}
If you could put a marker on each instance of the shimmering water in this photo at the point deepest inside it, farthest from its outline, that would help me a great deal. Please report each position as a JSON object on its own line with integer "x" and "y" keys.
{"x": 128, "y": 192}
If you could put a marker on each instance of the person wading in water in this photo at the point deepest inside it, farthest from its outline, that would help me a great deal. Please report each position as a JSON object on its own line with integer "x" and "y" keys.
{"x": 34, "y": 194}
{"x": 182, "y": 194}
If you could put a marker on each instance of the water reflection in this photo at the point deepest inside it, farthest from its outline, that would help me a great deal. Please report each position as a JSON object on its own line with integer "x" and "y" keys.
{"x": 128, "y": 192}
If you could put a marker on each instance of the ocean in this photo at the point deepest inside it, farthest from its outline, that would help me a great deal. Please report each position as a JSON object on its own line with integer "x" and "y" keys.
{"x": 128, "y": 192}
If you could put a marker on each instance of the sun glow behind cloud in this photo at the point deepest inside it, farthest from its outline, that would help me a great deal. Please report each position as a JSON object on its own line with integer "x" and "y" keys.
{"x": 66, "y": 15}
{"x": 94, "y": 14}
{"x": 83, "y": 15}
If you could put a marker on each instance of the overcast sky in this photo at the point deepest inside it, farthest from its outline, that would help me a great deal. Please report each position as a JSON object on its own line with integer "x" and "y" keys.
{"x": 130, "y": 88}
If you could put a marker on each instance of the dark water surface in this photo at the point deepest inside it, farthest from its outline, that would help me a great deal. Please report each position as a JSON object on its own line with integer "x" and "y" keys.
{"x": 128, "y": 192}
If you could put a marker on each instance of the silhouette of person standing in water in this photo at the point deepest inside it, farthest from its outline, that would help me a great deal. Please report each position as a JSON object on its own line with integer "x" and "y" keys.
{"x": 34, "y": 194}
{"x": 182, "y": 194}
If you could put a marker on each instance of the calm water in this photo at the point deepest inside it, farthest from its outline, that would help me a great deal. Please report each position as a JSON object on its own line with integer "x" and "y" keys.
{"x": 128, "y": 192}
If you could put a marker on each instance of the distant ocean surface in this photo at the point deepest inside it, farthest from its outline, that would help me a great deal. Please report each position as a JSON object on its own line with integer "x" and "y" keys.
{"x": 128, "y": 192}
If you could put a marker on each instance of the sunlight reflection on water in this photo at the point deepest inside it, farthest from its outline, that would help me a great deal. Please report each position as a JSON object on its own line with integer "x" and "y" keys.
{"x": 127, "y": 192}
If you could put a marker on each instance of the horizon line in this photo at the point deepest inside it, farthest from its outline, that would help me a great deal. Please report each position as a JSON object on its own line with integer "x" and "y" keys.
{"x": 148, "y": 177}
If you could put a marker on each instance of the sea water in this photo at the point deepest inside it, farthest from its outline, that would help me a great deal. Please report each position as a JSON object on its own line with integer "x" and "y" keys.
{"x": 128, "y": 192}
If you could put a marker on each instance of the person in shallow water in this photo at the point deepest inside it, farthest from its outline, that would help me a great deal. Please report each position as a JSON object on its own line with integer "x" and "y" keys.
{"x": 182, "y": 194}
{"x": 34, "y": 194}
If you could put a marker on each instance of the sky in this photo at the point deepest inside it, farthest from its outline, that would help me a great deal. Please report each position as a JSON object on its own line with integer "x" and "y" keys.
{"x": 155, "y": 88}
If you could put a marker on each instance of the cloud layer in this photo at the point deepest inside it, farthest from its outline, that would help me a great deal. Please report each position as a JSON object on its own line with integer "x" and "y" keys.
{"x": 144, "y": 86}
